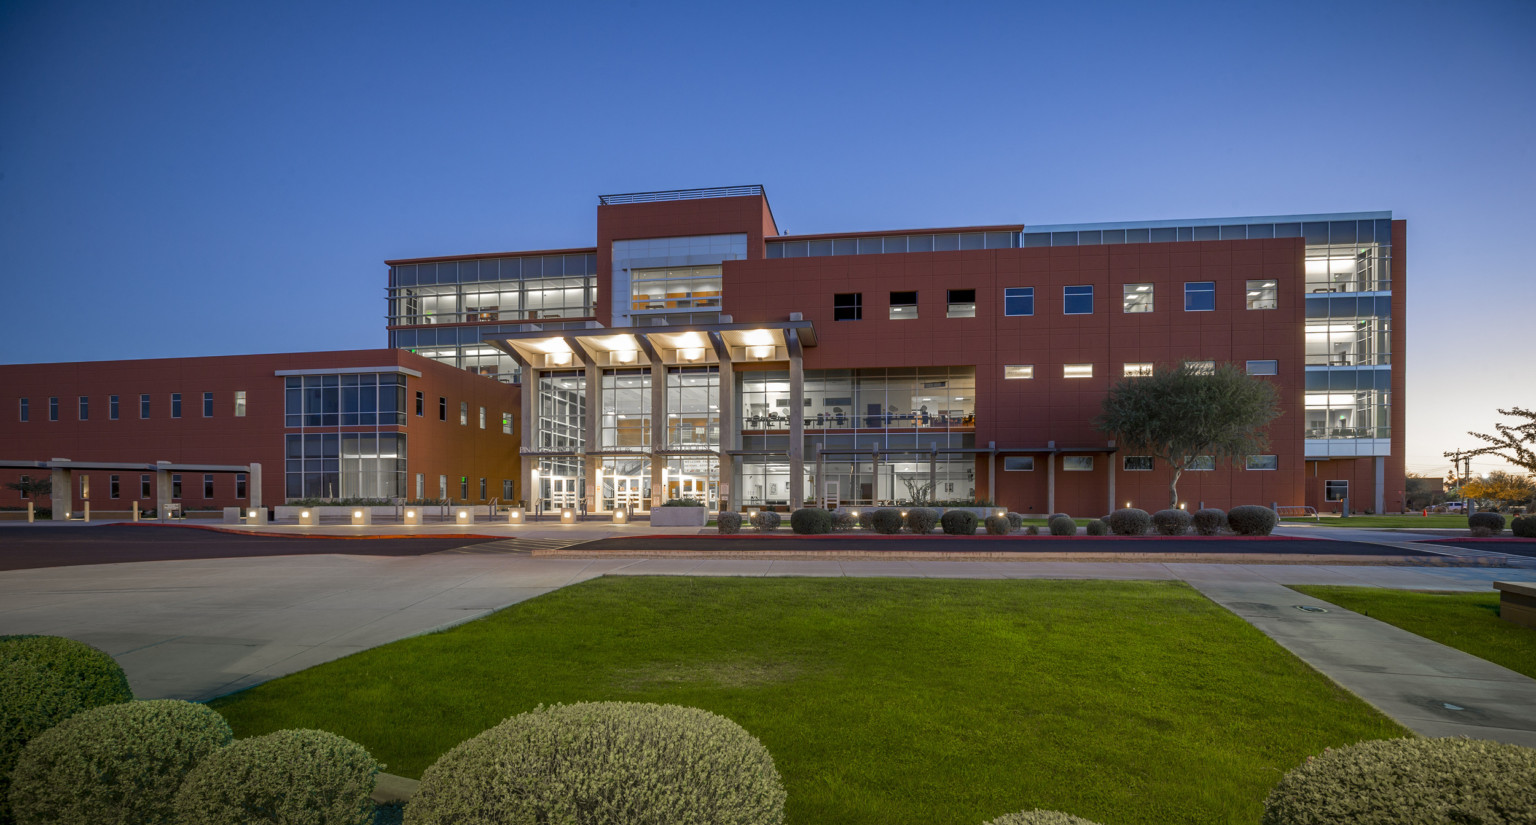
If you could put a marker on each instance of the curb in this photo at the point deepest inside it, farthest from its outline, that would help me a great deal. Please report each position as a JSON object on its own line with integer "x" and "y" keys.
{"x": 267, "y": 534}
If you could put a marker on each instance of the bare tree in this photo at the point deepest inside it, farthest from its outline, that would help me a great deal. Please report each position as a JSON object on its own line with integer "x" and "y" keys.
{"x": 1515, "y": 443}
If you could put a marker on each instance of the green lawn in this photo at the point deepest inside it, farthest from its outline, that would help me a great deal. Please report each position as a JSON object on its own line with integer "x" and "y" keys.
{"x": 1407, "y": 522}
{"x": 882, "y": 700}
{"x": 1466, "y": 621}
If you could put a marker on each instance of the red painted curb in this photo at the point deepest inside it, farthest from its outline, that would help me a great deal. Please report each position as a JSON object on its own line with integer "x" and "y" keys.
{"x": 263, "y": 534}
{"x": 863, "y": 536}
{"x": 1488, "y": 539}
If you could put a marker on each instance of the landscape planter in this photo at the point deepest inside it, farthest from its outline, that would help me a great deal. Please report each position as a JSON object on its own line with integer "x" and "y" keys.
{"x": 679, "y": 516}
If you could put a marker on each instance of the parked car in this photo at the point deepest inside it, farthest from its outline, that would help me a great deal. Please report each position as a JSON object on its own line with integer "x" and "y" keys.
{"x": 1455, "y": 506}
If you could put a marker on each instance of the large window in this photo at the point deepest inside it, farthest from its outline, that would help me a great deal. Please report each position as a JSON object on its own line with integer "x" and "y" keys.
{"x": 848, "y": 306}
{"x": 962, "y": 304}
{"x": 1199, "y": 296}
{"x": 1362, "y": 413}
{"x": 911, "y": 398}
{"x": 1019, "y": 300}
{"x": 678, "y": 287}
{"x": 562, "y": 411}
{"x": 626, "y": 421}
{"x": 1358, "y": 267}
{"x": 1138, "y": 297}
{"x": 903, "y": 306}
{"x": 1348, "y": 341}
{"x": 1077, "y": 300}
{"x": 346, "y": 400}
{"x": 345, "y": 465}
{"x": 493, "y": 289}
{"x": 693, "y": 417}
{"x": 1264, "y": 294}
{"x": 765, "y": 400}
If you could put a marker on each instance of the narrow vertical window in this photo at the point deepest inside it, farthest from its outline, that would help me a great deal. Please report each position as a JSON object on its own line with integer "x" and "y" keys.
{"x": 442, "y": 409}
{"x": 240, "y": 485}
{"x": 144, "y": 405}
{"x": 239, "y": 403}
{"x": 207, "y": 405}
{"x": 25, "y": 412}
{"x": 112, "y": 407}
{"x": 144, "y": 486}
{"x": 175, "y": 405}
{"x": 176, "y": 486}
{"x": 482, "y": 418}
{"x": 463, "y": 413}
{"x": 26, "y": 486}
{"x": 506, "y": 423}
{"x": 421, "y": 404}
{"x": 421, "y": 486}
{"x": 442, "y": 487}
{"x": 482, "y": 489}
{"x": 85, "y": 408}
{"x": 207, "y": 485}
{"x": 114, "y": 487}
{"x": 463, "y": 488}
{"x": 506, "y": 489}
{"x": 53, "y": 408}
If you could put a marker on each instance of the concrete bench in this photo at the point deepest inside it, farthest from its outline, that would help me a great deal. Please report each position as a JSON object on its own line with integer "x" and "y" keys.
{"x": 1517, "y": 602}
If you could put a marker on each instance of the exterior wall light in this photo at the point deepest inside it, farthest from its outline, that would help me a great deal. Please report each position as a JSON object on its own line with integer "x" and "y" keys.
{"x": 624, "y": 356}
{"x": 560, "y": 359}
{"x": 760, "y": 353}
{"x": 692, "y": 353}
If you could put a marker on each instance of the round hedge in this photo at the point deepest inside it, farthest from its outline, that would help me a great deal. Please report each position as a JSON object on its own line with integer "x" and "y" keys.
{"x": 843, "y": 521}
{"x": 958, "y": 522}
{"x": 1015, "y": 522}
{"x": 1524, "y": 526}
{"x": 43, "y": 681}
{"x": 766, "y": 521}
{"x": 1486, "y": 524}
{"x": 604, "y": 763}
{"x": 1098, "y": 527}
{"x": 922, "y": 520}
{"x": 1062, "y": 524}
{"x": 728, "y": 522}
{"x": 1210, "y": 521}
{"x": 1040, "y": 818}
{"x": 886, "y": 521}
{"x": 1252, "y": 520}
{"x": 291, "y": 776}
{"x": 119, "y": 763}
{"x": 810, "y": 521}
{"x": 1172, "y": 522}
{"x": 1130, "y": 521}
{"x": 1386, "y": 782}
{"x": 998, "y": 525}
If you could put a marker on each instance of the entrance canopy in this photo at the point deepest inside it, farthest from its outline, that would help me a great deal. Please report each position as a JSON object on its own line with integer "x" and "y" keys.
{"x": 644, "y": 346}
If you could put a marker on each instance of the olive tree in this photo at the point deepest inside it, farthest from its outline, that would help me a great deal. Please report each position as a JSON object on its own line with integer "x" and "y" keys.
{"x": 1178, "y": 414}
{"x": 1515, "y": 443}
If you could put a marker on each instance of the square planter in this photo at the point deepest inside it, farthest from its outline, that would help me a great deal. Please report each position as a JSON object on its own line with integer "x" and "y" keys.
{"x": 679, "y": 516}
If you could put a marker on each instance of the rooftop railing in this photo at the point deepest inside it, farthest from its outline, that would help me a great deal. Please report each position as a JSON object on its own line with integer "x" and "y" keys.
{"x": 681, "y": 195}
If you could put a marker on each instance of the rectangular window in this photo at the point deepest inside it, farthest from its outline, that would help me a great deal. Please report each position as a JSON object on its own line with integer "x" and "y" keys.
{"x": 144, "y": 486}
{"x": 1018, "y": 463}
{"x": 1076, "y": 370}
{"x": 1264, "y": 294}
{"x": 1335, "y": 490}
{"x": 848, "y": 306}
{"x": 1138, "y": 297}
{"x": 482, "y": 489}
{"x": 175, "y": 405}
{"x": 24, "y": 493}
{"x": 1263, "y": 367}
{"x": 85, "y": 408}
{"x": 506, "y": 423}
{"x": 1012, "y": 371}
{"x": 464, "y": 488}
{"x": 112, "y": 407}
{"x": 1263, "y": 462}
{"x": 482, "y": 418}
{"x": 442, "y": 487}
{"x": 85, "y": 487}
{"x": 421, "y": 403}
{"x": 176, "y": 485}
{"x": 903, "y": 306}
{"x": 962, "y": 304}
{"x": 114, "y": 487}
{"x": 1139, "y": 369}
{"x": 207, "y": 405}
{"x": 1202, "y": 462}
{"x": 1077, "y": 300}
{"x": 207, "y": 485}
{"x": 1137, "y": 463}
{"x": 144, "y": 405}
{"x": 421, "y": 486}
{"x": 1077, "y": 463}
{"x": 240, "y": 485}
{"x": 239, "y": 403}
{"x": 1199, "y": 296}
{"x": 506, "y": 489}
{"x": 1201, "y": 367}
{"x": 463, "y": 413}
{"x": 1019, "y": 300}
{"x": 25, "y": 412}
{"x": 53, "y": 408}
{"x": 442, "y": 408}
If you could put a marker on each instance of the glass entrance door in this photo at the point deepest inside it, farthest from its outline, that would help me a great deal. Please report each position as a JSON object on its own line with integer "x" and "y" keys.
{"x": 562, "y": 492}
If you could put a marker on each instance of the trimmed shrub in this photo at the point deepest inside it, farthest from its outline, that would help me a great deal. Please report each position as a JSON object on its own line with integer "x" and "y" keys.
{"x": 119, "y": 763}
{"x": 867, "y": 518}
{"x": 998, "y": 525}
{"x": 303, "y": 777}
{"x": 1015, "y": 522}
{"x": 1062, "y": 524}
{"x": 43, "y": 681}
{"x": 1130, "y": 521}
{"x": 1210, "y": 521}
{"x": 604, "y": 763}
{"x": 886, "y": 521}
{"x": 766, "y": 521}
{"x": 1033, "y": 530}
{"x": 682, "y": 502}
{"x": 843, "y": 521}
{"x": 1171, "y": 522}
{"x": 922, "y": 520}
{"x": 1524, "y": 526}
{"x": 1252, "y": 520}
{"x": 1385, "y": 782}
{"x": 1486, "y": 524}
{"x": 958, "y": 522}
{"x": 1098, "y": 527}
{"x": 1040, "y": 818}
{"x": 810, "y": 521}
{"x": 728, "y": 522}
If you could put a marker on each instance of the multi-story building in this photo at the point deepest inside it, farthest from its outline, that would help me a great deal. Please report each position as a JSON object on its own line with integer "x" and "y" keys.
{"x": 696, "y": 352}
{"x": 366, "y": 423}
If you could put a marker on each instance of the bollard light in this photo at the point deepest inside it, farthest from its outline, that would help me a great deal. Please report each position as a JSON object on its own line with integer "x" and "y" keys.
{"x": 903, "y": 513}
{"x": 362, "y": 517}
{"x": 304, "y": 514}
{"x": 620, "y": 516}
{"x": 1002, "y": 512}
{"x": 515, "y": 515}
{"x": 309, "y": 518}
{"x": 567, "y": 516}
{"x": 357, "y": 514}
{"x": 412, "y": 516}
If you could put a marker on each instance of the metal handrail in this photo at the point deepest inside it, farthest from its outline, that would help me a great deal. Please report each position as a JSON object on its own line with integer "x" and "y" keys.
{"x": 1298, "y": 511}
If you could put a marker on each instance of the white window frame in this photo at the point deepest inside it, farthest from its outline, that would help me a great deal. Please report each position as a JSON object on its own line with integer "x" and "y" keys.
{"x": 1018, "y": 289}
{"x": 1135, "y": 291}
{"x": 1066, "y": 371}
{"x": 1065, "y": 311}
{"x": 1255, "y": 294}
{"x": 1275, "y": 370}
{"x": 1188, "y": 291}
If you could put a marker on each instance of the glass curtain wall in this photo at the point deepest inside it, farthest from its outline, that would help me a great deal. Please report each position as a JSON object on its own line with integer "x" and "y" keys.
{"x": 693, "y": 421}
{"x": 334, "y": 464}
{"x": 626, "y": 425}
{"x": 562, "y": 414}
{"x": 917, "y": 399}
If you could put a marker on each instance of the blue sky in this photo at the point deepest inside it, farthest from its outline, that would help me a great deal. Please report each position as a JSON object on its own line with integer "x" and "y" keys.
{"x": 208, "y": 178}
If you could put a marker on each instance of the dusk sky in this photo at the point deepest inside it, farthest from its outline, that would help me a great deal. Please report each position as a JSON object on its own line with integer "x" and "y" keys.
{"x": 199, "y": 178}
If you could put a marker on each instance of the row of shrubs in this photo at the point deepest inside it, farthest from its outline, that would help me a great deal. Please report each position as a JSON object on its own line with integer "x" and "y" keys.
{"x": 76, "y": 747}
{"x": 1492, "y": 524}
{"x": 1246, "y": 520}
{"x": 104, "y": 758}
